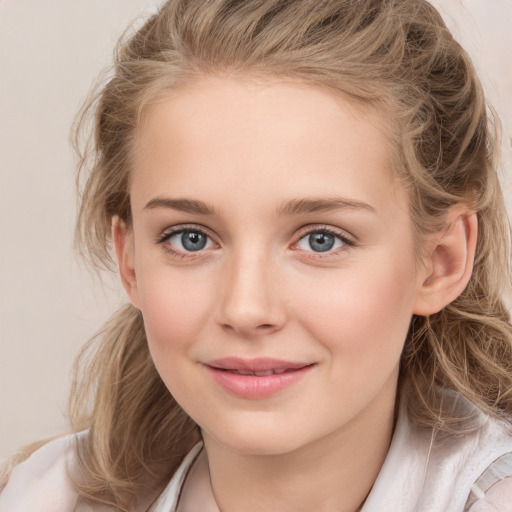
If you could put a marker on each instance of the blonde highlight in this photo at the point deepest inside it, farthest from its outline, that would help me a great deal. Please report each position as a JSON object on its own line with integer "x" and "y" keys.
{"x": 396, "y": 56}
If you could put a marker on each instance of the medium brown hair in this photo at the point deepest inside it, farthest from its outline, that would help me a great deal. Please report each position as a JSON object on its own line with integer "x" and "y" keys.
{"x": 396, "y": 56}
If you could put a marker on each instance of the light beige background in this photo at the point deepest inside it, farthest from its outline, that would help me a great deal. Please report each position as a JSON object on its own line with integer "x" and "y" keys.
{"x": 50, "y": 52}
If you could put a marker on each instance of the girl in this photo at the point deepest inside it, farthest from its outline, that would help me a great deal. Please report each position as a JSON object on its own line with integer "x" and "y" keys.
{"x": 306, "y": 217}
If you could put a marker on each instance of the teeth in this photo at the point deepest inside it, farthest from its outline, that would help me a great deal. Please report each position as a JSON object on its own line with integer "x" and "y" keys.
{"x": 260, "y": 373}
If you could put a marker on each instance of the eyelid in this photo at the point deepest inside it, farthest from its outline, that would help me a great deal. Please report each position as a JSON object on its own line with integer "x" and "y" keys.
{"x": 349, "y": 241}
{"x": 323, "y": 228}
{"x": 171, "y": 231}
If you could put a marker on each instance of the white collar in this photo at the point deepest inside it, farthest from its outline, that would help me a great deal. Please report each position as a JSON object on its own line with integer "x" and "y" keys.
{"x": 423, "y": 472}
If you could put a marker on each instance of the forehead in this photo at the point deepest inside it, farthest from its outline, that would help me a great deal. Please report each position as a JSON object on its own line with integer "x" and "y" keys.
{"x": 243, "y": 134}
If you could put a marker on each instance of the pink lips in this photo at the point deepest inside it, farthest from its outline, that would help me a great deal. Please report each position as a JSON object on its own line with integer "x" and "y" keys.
{"x": 256, "y": 378}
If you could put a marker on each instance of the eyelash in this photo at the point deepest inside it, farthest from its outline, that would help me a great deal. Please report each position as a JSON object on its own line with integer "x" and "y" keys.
{"x": 347, "y": 242}
{"x": 167, "y": 235}
{"x": 163, "y": 239}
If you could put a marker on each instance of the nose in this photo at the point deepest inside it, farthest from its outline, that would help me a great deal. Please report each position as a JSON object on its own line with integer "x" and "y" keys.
{"x": 250, "y": 302}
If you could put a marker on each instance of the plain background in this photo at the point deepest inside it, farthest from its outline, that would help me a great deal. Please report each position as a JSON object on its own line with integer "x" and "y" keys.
{"x": 50, "y": 53}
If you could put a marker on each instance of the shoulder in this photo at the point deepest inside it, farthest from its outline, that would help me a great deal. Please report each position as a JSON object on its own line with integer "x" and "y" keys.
{"x": 436, "y": 471}
{"x": 474, "y": 465}
{"x": 497, "y": 499}
{"x": 492, "y": 492}
{"x": 41, "y": 482}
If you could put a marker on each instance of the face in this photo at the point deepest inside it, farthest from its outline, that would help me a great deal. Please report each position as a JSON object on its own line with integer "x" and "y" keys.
{"x": 271, "y": 255}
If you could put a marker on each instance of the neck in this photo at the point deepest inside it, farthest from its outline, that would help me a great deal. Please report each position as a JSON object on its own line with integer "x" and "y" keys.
{"x": 334, "y": 473}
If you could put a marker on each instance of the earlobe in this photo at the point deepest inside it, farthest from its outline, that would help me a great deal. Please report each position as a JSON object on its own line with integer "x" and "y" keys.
{"x": 123, "y": 243}
{"x": 450, "y": 263}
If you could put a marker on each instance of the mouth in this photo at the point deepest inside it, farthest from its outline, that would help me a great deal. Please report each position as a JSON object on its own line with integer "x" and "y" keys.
{"x": 263, "y": 373}
{"x": 256, "y": 378}
{"x": 261, "y": 366}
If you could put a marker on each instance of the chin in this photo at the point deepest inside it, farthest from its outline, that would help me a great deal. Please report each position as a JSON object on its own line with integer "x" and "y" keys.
{"x": 259, "y": 438}
{"x": 259, "y": 445}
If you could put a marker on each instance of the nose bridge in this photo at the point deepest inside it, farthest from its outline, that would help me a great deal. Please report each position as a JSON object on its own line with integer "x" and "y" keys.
{"x": 249, "y": 303}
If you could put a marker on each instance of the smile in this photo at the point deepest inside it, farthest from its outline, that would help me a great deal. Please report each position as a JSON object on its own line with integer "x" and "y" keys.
{"x": 256, "y": 378}
{"x": 259, "y": 374}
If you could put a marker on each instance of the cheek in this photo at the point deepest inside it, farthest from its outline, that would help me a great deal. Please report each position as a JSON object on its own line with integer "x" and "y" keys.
{"x": 363, "y": 314}
{"x": 174, "y": 307}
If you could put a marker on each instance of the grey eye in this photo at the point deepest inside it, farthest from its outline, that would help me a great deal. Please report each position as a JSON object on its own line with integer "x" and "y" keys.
{"x": 190, "y": 241}
{"x": 320, "y": 241}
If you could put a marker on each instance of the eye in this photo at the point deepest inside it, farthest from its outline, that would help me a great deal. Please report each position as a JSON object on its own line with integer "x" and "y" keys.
{"x": 322, "y": 241}
{"x": 187, "y": 240}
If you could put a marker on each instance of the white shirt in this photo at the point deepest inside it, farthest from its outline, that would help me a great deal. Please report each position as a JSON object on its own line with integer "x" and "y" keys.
{"x": 424, "y": 471}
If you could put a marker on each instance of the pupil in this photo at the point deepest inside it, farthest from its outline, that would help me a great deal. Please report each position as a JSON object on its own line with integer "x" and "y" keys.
{"x": 321, "y": 242}
{"x": 193, "y": 241}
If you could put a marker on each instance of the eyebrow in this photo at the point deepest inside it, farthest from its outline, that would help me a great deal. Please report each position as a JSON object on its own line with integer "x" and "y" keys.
{"x": 293, "y": 207}
{"x": 181, "y": 204}
{"x": 313, "y": 205}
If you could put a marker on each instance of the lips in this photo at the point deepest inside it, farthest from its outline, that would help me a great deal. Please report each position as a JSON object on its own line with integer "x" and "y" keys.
{"x": 256, "y": 378}
{"x": 258, "y": 374}
{"x": 261, "y": 364}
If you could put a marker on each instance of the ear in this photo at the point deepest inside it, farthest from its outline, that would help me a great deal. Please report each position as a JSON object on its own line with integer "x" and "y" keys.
{"x": 122, "y": 237}
{"x": 449, "y": 264}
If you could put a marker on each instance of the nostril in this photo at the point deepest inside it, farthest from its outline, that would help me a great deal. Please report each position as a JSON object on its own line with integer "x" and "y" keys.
{"x": 247, "y": 330}
{"x": 265, "y": 327}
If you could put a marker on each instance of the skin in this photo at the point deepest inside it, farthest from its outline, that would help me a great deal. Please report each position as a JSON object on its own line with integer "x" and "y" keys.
{"x": 258, "y": 289}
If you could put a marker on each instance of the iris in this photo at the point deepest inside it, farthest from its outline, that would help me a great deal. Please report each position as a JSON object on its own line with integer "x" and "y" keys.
{"x": 321, "y": 242}
{"x": 193, "y": 240}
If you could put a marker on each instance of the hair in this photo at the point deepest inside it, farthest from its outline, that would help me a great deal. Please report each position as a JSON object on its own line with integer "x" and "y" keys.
{"x": 395, "y": 56}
